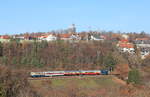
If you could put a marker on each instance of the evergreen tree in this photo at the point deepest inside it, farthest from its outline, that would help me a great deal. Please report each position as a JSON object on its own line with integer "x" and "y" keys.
{"x": 36, "y": 62}
{"x": 110, "y": 62}
{"x": 134, "y": 77}
{"x": 1, "y": 49}
{"x": 2, "y": 91}
{"x": 14, "y": 61}
{"x": 4, "y": 60}
{"x": 43, "y": 44}
{"x": 24, "y": 61}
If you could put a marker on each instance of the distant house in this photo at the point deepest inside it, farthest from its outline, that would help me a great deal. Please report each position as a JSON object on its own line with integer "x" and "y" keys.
{"x": 125, "y": 36}
{"x": 75, "y": 37}
{"x": 142, "y": 42}
{"x": 43, "y": 37}
{"x": 97, "y": 37}
{"x": 144, "y": 52}
{"x": 50, "y": 37}
{"x": 69, "y": 37}
{"x": 65, "y": 36}
{"x": 4, "y": 37}
{"x": 125, "y": 46}
{"x": 20, "y": 37}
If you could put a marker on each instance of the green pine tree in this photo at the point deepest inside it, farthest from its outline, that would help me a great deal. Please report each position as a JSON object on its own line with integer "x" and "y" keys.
{"x": 14, "y": 61}
{"x": 2, "y": 91}
{"x": 1, "y": 49}
{"x": 24, "y": 61}
{"x": 4, "y": 60}
{"x": 110, "y": 62}
{"x": 134, "y": 77}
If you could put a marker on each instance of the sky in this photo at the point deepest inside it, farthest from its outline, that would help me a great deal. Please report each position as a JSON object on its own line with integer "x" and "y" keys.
{"x": 20, "y": 16}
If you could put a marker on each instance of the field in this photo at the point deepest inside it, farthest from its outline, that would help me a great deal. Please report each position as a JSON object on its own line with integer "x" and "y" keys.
{"x": 78, "y": 87}
{"x": 103, "y": 86}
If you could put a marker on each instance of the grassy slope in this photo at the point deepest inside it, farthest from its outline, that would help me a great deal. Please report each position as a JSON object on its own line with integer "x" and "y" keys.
{"x": 86, "y": 86}
{"x": 104, "y": 86}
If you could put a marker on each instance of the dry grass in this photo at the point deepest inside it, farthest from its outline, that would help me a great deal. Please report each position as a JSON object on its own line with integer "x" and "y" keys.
{"x": 79, "y": 87}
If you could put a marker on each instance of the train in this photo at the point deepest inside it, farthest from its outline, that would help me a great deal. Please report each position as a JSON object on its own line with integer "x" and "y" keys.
{"x": 69, "y": 73}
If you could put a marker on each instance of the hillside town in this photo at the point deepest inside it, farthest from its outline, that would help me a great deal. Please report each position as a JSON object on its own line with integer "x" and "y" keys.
{"x": 125, "y": 42}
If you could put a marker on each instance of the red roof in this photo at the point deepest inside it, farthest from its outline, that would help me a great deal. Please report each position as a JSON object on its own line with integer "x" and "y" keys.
{"x": 126, "y": 45}
{"x": 43, "y": 36}
{"x": 142, "y": 38}
{"x": 5, "y": 37}
{"x": 65, "y": 35}
{"x": 124, "y": 40}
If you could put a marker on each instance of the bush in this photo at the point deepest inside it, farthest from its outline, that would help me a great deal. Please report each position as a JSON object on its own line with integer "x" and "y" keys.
{"x": 146, "y": 62}
{"x": 134, "y": 77}
{"x": 1, "y": 49}
{"x": 15, "y": 84}
{"x": 110, "y": 62}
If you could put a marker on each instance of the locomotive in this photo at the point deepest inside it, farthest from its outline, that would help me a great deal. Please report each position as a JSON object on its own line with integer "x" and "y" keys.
{"x": 69, "y": 73}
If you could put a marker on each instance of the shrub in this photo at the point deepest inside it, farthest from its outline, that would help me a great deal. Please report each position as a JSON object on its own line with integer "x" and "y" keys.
{"x": 134, "y": 77}
{"x": 15, "y": 84}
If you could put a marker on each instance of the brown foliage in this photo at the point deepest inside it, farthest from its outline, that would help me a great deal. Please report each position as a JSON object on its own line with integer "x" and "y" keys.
{"x": 59, "y": 54}
{"x": 15, "y": 83}
{"x": 122, "y": 70}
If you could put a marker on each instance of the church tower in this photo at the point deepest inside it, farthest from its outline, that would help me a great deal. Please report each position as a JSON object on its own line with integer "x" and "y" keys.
{"x": 72, "y": 29}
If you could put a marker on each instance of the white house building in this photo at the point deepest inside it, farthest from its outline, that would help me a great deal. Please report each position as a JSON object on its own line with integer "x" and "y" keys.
{"x": 126, "y": 47}
{"x": 48, "y": 38}
{"x": 144, "y": 52}
{"x": 96, "y": 37}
